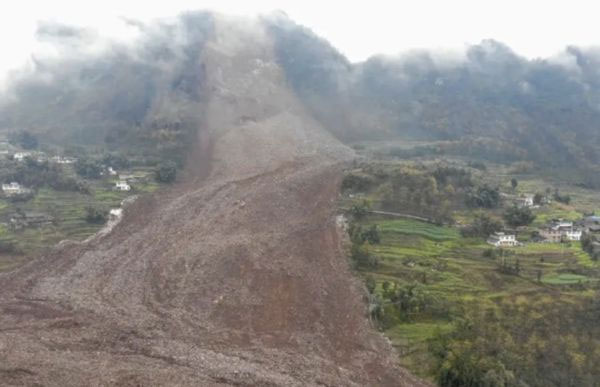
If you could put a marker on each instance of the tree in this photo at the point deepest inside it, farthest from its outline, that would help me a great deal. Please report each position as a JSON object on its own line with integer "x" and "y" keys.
{"x": 360, "y": 210}
{"x": 484, "y": 196}
{"x": 483, "y": 225}
{"x": 25, "y": 139}
{"x": 371, "y": 284}
{"x": 362, "y": 257}
{"x": 514, "y": 183}
{"x": 166, "y": 172}
{"x": 89, "y": 168}
{"x": 566, "y": 199}
{"x": 537, "y": 198}
{"x": 115, "y": 160}
{"x": 96, "y": 214}
{"x": 518, "y": 216}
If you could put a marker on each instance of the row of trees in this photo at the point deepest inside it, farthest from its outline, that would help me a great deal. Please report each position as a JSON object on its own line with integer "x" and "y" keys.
{"x": 93, "y": 168}
{"x": 484, "y": 224}
{"x": 35, "y": 174}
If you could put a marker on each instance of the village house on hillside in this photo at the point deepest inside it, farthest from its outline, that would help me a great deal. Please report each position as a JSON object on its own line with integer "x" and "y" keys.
{"x": 122, "y": 186}
{"x": 20, "y": 156}
{"x": 14, "y": 189}
{"x": 138, "y": 177}
{"x": 63, "y": 160}
{"x": 560, "y": 230}
{"x": 500, "y": 239}
{"x": 590, "y": 224}
{"x": 525, "y": 201}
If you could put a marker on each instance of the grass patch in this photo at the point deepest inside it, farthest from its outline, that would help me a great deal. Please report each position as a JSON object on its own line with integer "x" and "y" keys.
{"x": 417, "y": 228}
{"x": 565, "y": 279}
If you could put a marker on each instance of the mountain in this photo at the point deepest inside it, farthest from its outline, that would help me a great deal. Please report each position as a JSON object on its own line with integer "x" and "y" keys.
{"x": 237, "y": 274}
{"x": 490, "y": 102}
{"x": 234, "y": 276}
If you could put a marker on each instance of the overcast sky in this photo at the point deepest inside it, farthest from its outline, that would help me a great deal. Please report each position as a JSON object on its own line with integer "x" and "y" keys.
{"x": 357, "y": 28}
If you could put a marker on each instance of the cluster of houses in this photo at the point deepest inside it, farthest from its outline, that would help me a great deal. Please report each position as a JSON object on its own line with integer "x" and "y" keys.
{"x": 558, "y": 230}
{"x": 501, "y": 239}
{"x": 14, "y": 189}
{"x": 41, "y": 157}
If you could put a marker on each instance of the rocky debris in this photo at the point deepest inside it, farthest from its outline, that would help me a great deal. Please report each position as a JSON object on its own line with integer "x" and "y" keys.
{"x": 235, "y": 276}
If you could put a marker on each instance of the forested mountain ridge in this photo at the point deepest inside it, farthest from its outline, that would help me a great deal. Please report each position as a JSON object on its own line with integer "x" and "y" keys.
{"x": 145, "y": 93}
{"x": 489, "y": 102}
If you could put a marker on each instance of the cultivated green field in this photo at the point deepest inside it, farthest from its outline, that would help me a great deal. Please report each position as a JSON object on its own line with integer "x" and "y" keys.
{"x": 67, "y": 208}
{"x": 454, "y": 272}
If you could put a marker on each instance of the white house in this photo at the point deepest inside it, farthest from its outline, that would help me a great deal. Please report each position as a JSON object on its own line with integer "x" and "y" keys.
{"x": 111, "y": 171}
{"x": 525, "y": 201}
{"x": 500, "y": 239}
{"x": 122, "y": 186}
{"x": 560, "y": 230}
{"x": 573, "y": 234}
{"x": 13, "y": 188}
{"x": 63, "y": 160}
{"x": 20, "y": 156}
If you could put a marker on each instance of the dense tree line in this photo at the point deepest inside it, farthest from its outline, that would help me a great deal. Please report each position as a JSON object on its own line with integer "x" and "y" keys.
{"x": 35, "y": 174}
{"x": 545, "y": 343}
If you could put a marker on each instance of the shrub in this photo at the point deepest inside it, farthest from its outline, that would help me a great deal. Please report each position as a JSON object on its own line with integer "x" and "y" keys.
{"x": 96, "y": 215}
{"x": 484, "y": 196}
{"x": 518, "y": 216}
{"x": 166, "y": 172}
{"x": 483, "y": 225}
{"x": 360, "y": 210}
{"x": 89, "y": 168}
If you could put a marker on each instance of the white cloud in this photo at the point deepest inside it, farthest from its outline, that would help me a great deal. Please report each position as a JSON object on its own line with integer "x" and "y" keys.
{"x": 358, "y": 28}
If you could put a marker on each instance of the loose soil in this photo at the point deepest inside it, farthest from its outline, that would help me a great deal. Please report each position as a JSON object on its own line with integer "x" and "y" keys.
{"x": 234, "y": 276}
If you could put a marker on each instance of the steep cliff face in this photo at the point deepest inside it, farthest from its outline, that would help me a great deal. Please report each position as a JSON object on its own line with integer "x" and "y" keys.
{"x": 235, "y": 276}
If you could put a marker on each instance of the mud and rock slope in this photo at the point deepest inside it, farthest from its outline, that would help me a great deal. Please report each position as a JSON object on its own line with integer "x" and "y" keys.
{"x": 234, "y": 276}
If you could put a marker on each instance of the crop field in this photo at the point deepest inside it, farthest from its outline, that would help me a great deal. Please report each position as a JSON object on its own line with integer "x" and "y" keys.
{"x": 455, "y": 271}
{"x": 68, "y": 212}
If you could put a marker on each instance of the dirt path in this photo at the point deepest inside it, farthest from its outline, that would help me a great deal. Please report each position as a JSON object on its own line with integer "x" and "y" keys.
{"x": 233, "y": 277}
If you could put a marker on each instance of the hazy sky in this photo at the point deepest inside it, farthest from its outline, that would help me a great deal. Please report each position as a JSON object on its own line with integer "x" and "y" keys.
{"x": 358, "y": 28}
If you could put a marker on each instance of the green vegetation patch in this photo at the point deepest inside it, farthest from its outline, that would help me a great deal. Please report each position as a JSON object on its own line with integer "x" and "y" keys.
{"x": 565, "y": 279}
{"x": 417, "y": 228}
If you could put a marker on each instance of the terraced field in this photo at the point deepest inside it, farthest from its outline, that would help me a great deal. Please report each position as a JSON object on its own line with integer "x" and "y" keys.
{"x": 455, "y": 271}
{"x": 68, "y": 211}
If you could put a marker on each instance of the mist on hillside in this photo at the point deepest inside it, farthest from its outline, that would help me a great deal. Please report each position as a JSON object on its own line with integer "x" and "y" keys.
{"x": 93, "y": 90}
{"x": 486, "y": 101}
{"x": 496, "y": 103}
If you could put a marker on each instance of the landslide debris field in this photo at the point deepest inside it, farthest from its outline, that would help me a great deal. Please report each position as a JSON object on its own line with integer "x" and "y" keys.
{"x": 234, "y": 276}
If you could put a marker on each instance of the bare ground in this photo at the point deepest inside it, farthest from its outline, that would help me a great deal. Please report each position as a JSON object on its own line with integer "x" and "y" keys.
{"x": 235, "y": 276}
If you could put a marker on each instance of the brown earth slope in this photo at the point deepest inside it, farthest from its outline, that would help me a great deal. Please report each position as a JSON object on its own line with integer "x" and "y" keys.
{"x": 234, "y": 276}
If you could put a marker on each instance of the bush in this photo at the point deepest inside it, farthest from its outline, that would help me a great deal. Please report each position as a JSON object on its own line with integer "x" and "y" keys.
{"x": 356, "y": 182}
{"x": 166, "y": 172}
{"x": 484, "y": 197}
{"x": 89, "y": 168}
{"x": 115, "y": 160}
{"x": 360, "y": 210}
{"x": 518, "y": 216}
{"x": 565, "y": 199}
{"x": 483, "y": 225}
{"x": 362, "y": 257}
{"x": 360, "y": 235}
{"x": 96, "y": 215}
